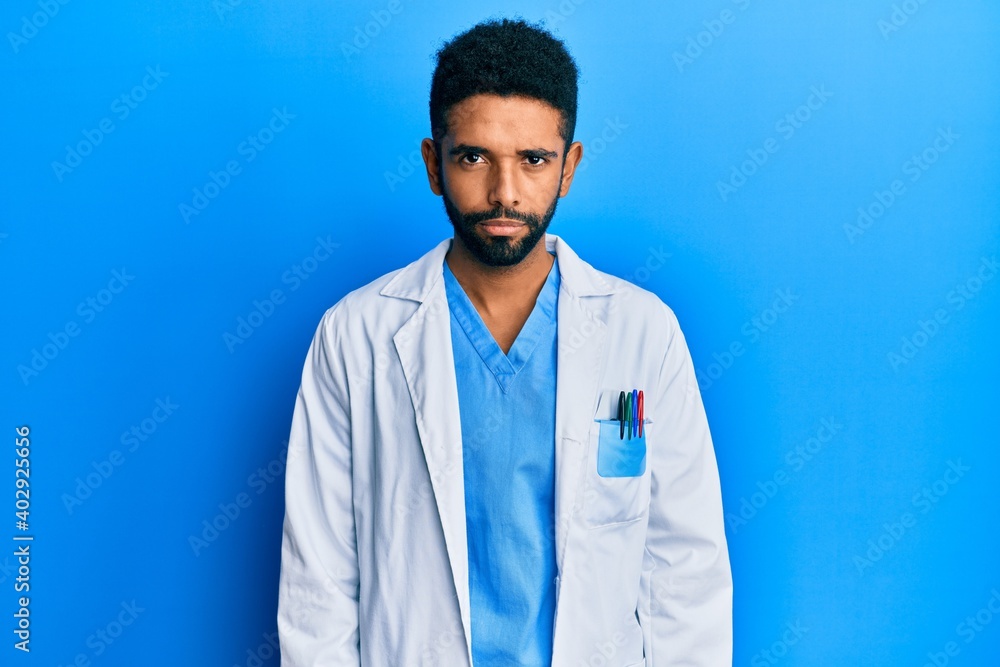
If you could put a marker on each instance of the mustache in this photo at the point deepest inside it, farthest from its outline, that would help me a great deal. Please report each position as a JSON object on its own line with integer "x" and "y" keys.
{"x": 500, "y": 212}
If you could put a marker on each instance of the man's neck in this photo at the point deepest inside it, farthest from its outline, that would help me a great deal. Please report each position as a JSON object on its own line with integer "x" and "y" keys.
{"x": 496, "y": 289}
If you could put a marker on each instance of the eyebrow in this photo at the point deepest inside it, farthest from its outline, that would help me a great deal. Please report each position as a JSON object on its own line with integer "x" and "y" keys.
{"x": 463, "y": 149}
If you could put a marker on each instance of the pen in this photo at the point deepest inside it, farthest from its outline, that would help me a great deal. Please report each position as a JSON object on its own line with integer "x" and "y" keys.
{"x": 642, "y": 416}
{"x": 621, "y": 416}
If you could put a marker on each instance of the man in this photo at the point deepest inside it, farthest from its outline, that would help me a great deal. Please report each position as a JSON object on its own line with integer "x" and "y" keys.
{"x": 468, "y": 482}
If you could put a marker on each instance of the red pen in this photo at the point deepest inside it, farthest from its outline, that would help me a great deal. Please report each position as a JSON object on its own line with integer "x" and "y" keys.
{"x": 641, "y": 417}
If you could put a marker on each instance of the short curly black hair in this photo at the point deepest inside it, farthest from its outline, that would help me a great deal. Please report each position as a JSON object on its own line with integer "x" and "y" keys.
{"x": 504, "y": 57}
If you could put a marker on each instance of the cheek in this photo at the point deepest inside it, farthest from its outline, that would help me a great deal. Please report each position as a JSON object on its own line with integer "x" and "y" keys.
{"x": 463, "y": 187}
{"x": 546, "y": 192}
{"x": 537, "y": 190}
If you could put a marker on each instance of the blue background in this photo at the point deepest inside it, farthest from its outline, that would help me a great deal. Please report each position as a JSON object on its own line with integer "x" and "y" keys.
{"x": 792, "y": 316}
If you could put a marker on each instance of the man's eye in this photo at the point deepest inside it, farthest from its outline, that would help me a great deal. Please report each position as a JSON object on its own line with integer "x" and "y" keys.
{"x": 472, "y": 158}
{"x": 534, "y": 160}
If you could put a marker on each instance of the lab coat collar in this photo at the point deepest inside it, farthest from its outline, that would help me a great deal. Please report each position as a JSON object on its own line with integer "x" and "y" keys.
{"x": 415, "y": 281}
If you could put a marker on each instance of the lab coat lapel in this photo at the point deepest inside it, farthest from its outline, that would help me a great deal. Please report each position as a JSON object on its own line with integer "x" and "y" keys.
{"x": 581, "y": 337}
{"x": 423, "y": 344}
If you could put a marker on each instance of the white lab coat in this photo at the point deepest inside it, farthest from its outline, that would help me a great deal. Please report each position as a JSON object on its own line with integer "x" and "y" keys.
{"x": 374, "y": 562}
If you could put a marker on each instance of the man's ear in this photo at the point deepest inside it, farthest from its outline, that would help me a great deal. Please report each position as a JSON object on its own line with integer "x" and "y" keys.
{"x": 432, "y": 163}
{"x": 573, "y": 156}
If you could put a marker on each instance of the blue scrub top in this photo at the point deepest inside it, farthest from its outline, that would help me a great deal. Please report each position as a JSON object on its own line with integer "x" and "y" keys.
{"x": 507, "y": 404}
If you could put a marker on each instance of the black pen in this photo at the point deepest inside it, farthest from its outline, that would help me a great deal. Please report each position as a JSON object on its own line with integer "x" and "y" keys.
{"x": 621, "y": 416}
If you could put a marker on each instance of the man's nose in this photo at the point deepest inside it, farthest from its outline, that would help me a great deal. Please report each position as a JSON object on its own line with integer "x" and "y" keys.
{"x": 505, "y": 187}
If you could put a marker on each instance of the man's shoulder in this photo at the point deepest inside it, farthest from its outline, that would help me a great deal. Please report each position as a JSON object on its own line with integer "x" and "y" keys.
{"x": 360, "y": 303}
{"x": 367, "y": 295}
{"x": 386, "y": 300}
{"x": 630, "y": 302}
{"x": 588, "y": 280}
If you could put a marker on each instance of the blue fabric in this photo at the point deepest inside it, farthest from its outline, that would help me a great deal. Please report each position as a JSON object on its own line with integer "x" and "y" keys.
{"x": 507, "y": 404}
{"x": 618, "y": 456}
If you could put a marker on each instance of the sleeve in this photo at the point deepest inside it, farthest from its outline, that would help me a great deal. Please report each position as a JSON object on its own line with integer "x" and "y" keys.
{"x": 318, "y": 586}
{"x": 685, "y": 602}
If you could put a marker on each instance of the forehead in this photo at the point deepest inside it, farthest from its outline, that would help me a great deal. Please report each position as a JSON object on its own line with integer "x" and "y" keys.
{"x": 513, "y": 121}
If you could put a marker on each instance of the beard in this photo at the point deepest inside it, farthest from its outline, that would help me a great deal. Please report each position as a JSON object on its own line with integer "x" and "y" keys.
{"x": 498, "y": 250}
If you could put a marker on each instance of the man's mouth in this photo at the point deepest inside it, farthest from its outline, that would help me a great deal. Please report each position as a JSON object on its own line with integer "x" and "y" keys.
{"x": 502, "y": 226}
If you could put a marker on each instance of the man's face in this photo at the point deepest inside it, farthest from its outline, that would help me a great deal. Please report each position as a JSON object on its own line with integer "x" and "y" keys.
{"x": 501, "y": 173}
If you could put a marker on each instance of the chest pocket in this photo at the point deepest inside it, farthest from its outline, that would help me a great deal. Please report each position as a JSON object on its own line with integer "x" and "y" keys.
{"x": 617, "y": 478}
{"x": 619, "y": 456}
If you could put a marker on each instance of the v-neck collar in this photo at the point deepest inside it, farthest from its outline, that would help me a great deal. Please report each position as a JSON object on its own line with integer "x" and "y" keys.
{"x": 504, "y": 367}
